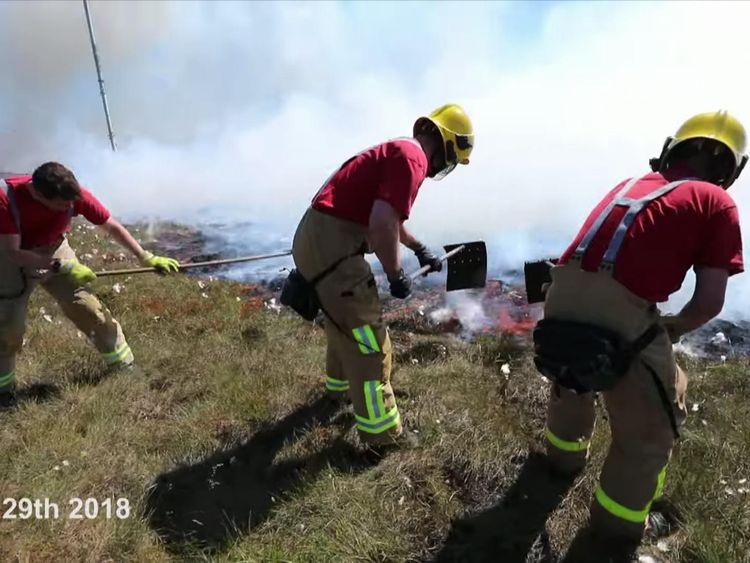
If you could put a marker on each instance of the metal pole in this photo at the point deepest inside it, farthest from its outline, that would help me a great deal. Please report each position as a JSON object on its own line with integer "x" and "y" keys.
{"x": 190, "y": 265}
{"x": 99, "y": 74}
{"x": 443, "y": 258}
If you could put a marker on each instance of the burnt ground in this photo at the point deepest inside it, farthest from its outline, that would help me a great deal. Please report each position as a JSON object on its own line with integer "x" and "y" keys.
{"x": 498, "y": 308}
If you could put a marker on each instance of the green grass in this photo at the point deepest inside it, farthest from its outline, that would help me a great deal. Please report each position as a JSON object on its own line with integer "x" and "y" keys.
{"x": 220, "y": 443}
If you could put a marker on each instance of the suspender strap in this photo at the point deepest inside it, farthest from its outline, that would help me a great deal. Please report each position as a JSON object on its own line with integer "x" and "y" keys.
{"x": 11, "y": 203}
{"x": 634, "y": 207}
{"x": 591, "y": 233}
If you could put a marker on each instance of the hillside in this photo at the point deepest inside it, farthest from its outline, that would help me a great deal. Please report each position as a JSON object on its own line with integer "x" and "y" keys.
{"x": 225, "y": 451}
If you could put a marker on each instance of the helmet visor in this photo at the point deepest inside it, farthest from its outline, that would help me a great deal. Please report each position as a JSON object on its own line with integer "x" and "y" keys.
{"x": 445, "y": 171}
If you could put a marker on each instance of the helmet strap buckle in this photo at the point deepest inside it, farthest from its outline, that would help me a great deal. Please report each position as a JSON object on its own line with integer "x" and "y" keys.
{"x": 737, "y": 172}
{"x": 658, "y": 164}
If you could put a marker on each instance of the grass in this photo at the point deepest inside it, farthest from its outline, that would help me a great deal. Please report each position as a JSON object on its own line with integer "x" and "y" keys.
{"x": 225, "y": 452}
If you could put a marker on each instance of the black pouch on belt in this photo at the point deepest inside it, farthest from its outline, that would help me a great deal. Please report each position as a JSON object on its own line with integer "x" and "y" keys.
{"x": 299, "y": 293}
{"x": 584, "y": 357}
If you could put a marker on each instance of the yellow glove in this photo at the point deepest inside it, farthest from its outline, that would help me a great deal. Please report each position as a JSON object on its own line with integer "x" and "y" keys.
{"x": 77, "y": 272}
{"x": 162, "y": 264}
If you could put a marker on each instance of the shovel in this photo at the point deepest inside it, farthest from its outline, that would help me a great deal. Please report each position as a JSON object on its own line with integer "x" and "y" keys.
{"x": 537, "y": 277}
{"x": 190, "y": 265}
{"x": 467, "y": 266}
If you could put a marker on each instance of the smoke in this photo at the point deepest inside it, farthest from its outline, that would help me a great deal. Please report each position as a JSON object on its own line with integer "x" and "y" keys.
{"x": 233, "y": 113}
{"x": 469, "y": 311}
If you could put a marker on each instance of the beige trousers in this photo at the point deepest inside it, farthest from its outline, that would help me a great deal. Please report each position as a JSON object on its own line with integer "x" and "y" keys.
{"x": 359, "y": 353}
{"x": 642, "y": 436}
{"x": 78, "y": 304}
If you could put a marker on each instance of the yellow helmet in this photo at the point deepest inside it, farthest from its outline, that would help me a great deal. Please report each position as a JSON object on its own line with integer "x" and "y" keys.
{"x": 456, "y": 131}
{"x": 719, "y": 126}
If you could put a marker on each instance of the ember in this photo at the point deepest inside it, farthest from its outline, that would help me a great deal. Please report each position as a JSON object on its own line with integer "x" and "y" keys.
{"x": 498, "y": 308}
{"x": 507, "y": 322}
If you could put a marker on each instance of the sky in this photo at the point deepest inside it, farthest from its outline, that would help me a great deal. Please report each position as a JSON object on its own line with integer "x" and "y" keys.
{"x": 234, "y": 112}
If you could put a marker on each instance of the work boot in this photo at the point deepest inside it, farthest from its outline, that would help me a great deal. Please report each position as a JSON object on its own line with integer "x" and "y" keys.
{"x": 407, "y": 440}
{"x": 338, "y": 399}
{"x": 126, "y": 369}
{"x": 333, "y": 401}
{"x": 646, "y": 558}
{"x": 593, "y": 546}
{"x": 8, "y": 400}
{"x": 663, "y": 519}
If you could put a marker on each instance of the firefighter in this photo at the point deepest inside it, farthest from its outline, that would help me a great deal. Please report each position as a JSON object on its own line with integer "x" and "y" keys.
{"x": 632, "y": 252}
{"x": 361, "y": 208}
{"x": 35, "y": 215}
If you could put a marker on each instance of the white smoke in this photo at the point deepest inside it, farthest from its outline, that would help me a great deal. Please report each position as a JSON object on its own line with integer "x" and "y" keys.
{"x": 467, "y": 308}
{"x": 233, "y": 112}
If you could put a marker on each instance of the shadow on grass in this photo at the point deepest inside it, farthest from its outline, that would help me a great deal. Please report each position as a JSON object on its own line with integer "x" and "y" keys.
{"x": 91, "y": 379}
{"x": 587, "y": 547}
{"x": 208, "y": 504}
{"x": 513, "y": 530}
{"x": 37, "y": 393}
{"x": 92, "y": 376}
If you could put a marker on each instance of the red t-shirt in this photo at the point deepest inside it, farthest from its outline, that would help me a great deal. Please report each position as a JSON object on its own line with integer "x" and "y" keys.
{"x": 392, "y": 171}
{"x": 41, "y": 226}
{"x": 694, "y": 225}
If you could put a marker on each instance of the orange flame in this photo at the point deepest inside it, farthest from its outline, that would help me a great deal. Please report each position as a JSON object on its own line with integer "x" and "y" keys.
{"x": 506, "y": 322}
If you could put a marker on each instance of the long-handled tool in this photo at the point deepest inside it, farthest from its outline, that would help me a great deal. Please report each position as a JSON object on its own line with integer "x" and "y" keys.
{"x": 190, "y": 265}
{"x": 537, "y": 277}
{"x": 467, "y": 266}
{"x": 424, "y": 269}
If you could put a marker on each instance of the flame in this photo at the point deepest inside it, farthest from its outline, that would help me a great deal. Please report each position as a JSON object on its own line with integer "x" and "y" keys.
{"x": 507, "y": 323}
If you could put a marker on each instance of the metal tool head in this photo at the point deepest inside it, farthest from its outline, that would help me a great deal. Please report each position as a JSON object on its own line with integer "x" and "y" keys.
{"x": 537, "y": 275}
{"x": 467, "y": 269}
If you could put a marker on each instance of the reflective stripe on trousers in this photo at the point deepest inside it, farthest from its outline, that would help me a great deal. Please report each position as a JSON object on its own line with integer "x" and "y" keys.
{"x": 122, "y": 354}
{"x": 378, "y": 420}
{"x": 333, "y": 384}
{"x": 366, "y": 340}
{"x": 7, "y": 380}
{"x": 567, "y": 445}
{"x": 625, "y": 513}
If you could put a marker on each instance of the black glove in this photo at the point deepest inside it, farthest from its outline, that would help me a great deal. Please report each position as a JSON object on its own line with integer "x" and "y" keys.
{"x": 427, "y": 258}
{"x": 400, "y": 285}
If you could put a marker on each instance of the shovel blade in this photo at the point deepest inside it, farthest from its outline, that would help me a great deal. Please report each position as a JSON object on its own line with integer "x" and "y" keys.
{"x": 537, "y": 275}
{"x": 467, "y": 269}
